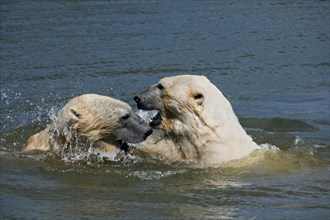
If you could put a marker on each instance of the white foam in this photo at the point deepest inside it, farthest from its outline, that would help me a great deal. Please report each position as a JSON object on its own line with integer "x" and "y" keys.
{"x": 298, "y": 141}
{"x": 269, "y": 146}
{"x": 145, "y": 115}
{"x": 155, "y": 174}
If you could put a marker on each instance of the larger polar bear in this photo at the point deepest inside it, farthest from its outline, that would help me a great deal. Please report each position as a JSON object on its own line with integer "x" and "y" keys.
{"x": 198, "y": 122}
{"x": 98, "y": 121}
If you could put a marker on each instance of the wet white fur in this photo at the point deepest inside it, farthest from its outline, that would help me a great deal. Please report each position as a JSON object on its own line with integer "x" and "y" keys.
{"x": 205, "y": 130}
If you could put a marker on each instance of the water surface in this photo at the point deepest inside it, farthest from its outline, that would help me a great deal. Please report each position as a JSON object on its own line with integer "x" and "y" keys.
{"x": 270, "y": 58}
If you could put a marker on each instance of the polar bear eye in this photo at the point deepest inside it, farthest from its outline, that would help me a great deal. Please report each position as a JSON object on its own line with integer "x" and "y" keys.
{"x": 75, "y": 113}
{"x": 125, "y": 117}
{"x": 160, "y": 86}
{"x": 198, "y": 96}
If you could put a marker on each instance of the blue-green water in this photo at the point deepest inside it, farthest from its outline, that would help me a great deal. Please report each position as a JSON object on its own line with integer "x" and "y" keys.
{"x": 270, "y": 58}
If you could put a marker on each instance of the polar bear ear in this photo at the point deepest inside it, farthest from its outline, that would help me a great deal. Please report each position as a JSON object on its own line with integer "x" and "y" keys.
{"x": 199, "y": 98}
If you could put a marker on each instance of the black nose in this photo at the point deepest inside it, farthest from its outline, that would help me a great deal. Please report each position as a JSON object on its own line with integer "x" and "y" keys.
{"x": 149, "y": 132}
{"x": 137, "y": 99}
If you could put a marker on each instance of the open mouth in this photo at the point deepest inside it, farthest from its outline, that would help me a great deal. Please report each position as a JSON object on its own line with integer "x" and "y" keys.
{"x": 155, "y": 121}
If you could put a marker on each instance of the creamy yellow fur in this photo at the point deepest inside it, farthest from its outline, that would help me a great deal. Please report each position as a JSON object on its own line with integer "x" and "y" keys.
{"x": 88, "y": 118}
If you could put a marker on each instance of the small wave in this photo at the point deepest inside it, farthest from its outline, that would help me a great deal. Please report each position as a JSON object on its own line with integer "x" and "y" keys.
{"x": 155, "y": 174}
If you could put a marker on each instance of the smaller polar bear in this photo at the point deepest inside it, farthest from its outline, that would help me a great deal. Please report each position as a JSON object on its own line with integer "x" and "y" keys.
{"x": 102, "y": 122}
{"x": 198, "y": 122}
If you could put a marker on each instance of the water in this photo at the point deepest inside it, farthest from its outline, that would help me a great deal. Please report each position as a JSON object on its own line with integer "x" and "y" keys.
{"x": 270, "y": 58}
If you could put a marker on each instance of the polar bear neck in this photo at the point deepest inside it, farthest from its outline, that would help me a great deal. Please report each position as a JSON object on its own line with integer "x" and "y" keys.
{"x": 191, "y": 138}
{"x": 199, "y": 141}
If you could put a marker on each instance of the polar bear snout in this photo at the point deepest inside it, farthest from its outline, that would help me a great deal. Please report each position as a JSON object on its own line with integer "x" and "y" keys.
{"x": 144, "y": 102}
{"x": 150, "y": 99}
{"x": 134, "y": 129}
{"x": 148, "y": 133}
{"x": 139, "y": 103}
{"x": 137, "y": 99}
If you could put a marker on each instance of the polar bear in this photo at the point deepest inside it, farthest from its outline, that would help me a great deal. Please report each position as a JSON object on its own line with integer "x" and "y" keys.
{"x": 198, "y": 122}
{"x": 102, "y": 122}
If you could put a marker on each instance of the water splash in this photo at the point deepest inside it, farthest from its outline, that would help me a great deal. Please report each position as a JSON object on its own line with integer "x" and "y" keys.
{"x": 155, "y": 174}
{"x": 52, "y": 114}
{"x": 146, "y": 115}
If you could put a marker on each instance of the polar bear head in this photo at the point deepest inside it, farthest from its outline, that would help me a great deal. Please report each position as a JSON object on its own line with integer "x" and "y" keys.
{"x": 103, "y": 118}
{"x": 100, "y": 120}
{"x": 185, "y": 98}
